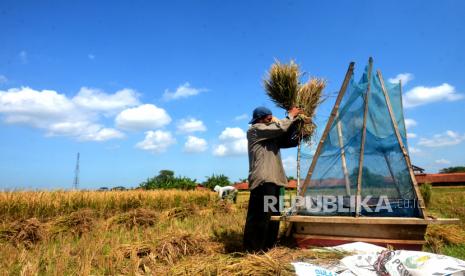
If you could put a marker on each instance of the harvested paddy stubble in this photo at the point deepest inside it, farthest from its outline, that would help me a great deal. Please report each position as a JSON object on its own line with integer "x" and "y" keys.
{"x": 192, "y": 233}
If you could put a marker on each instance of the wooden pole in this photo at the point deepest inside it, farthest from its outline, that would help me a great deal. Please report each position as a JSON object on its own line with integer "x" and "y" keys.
{"x": 342, "y": 91}
{"x": 343, "y": 156}
{"x": 402, "y": 147}
{"x": 362, "y": 145}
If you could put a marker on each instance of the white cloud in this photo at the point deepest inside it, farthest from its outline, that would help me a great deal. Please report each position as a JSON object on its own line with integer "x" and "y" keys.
{"x": 448, "y": 138}
{"x": 156, "y": 141}
{"x": 421, "y": 95}
{"x": 57, "y": 114}
{"x": 195, "y": 144}
{"x": 94, "y": 99}
{"x": 91, "y": 56}
{"x": 241, "y": 117}
{"x": 234, "y": 142}
{"x": 410, "y": 123}
{"x": 190, "y": 125}
{"x": 404, "y": 77}
{"x": 182, "y": 91}
{"x": 84, "y": 131}
{"x": 220, "y": 150}
{"x": 411, "y": 135}
{"x": 414, "y": 150}
{"x": 232, "y": 133}
{"x": 3, "y": 79}
{"x": 290, "y": 163}
{"x": 23, "y": 57}
{"x": 142, "y": 117}
{"x": 442, "y": 161}
{"x": 36, "y": 108}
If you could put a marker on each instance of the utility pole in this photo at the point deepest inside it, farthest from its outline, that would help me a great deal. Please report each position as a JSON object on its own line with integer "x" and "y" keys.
{"x": 76, "y": 173}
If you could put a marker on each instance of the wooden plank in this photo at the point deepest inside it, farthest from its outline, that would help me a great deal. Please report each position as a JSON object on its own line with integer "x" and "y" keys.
{"x": 359, "y": 220}
{"x": 342, "y": 91}
{"x": 443, "y": 221}
{"x": 368, "y": 240}
{"x": 366, "y": 220}
{"x": 362, "y": 146}
{"x": 380, "y": 231}
{"x": 402, "y": 147}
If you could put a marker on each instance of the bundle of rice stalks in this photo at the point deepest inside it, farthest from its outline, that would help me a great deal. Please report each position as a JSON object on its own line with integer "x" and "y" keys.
{"x": 439, "y": 235}
{"x": 308, "y": 99}
{"x": 278, "y": 260}
{"x": 26, "y": 232}
{"x": 77, "y": 223}
{"x": 222, "y": 207}
{"x": 283, "y": 88}
{"x": 140, "y": 250}
{"x": 174, "y": 247}
{"x": 182, "y": 212}
{"x": 282, "y": 84}
{"x": 138, "y": 217}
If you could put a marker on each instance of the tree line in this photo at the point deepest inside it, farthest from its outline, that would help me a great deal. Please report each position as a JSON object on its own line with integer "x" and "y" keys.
{"x": 167, "y": 180}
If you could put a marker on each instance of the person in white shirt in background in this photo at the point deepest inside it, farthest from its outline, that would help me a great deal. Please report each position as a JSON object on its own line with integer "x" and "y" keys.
{"x": 226, "y": 192}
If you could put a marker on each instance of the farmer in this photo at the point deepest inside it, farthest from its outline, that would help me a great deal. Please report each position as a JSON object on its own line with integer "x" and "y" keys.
{"x": 226, "y": 192}
{"x": 266, "y": 136}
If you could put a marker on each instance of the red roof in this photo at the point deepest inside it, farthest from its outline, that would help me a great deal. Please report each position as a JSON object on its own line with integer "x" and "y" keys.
{"x": 200, "y": 187}
{"x": 242, "y": 186}
{"x": 292, "y": 184}
{"x": 439, "y": 178}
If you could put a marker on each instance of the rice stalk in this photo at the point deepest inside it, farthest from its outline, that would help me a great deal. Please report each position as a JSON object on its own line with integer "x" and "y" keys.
{"x": 139, "y": 217}
{"x": 26, "y": 232}
{"x": 282, "y": 84}
{"x": 77, "y": 223}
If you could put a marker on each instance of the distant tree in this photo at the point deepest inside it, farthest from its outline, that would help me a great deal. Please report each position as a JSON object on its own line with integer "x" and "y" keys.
{"x": 166, "y": 180}
{"x": 165, "y": 176}
{"x": 220, "y": 180}
{"x": 453, "y": 169}
{"x": 289, "y": 178}
{"x": 242, "y": 180}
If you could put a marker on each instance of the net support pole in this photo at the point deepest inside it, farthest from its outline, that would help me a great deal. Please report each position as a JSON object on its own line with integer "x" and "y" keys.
{"x": 335, "y": 109}
{"x": 362, "y": 144}
{"x": 421, "y": 203}
{"x": 343, "y": 156}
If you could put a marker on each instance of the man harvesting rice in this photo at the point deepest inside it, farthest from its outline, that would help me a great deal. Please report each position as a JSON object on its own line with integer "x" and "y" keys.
{"x": 266, "y": 137}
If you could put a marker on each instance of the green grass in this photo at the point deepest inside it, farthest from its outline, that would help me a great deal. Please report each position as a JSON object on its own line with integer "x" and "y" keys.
{"x": 448, "y": 202}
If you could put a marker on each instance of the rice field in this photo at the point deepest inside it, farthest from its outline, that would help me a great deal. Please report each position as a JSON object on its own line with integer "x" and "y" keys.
{"x": 159, "y": 233}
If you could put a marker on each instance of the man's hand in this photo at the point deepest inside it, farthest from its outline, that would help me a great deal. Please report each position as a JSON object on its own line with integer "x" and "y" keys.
{"x": 305, "y": 119}
{"x": 294, "y": 111}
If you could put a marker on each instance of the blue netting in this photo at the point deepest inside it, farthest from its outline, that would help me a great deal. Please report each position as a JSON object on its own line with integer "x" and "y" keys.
{"x": 385, "y": 173}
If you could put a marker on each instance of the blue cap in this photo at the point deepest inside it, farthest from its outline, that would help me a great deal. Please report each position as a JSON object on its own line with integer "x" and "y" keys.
{"x": 260, "y": 112}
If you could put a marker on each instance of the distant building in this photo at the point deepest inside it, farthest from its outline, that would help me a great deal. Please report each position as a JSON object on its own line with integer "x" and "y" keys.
{"x": 417, "y": 170}
{"x": 244, "y": 186}
{"x": 241, "y": 186}
{"x": 441, "y": 179}
{"x": 201, "y": 187}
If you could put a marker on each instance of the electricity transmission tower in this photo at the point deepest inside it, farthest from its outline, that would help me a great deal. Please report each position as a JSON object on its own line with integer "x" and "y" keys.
{"x": 76, "y": 174}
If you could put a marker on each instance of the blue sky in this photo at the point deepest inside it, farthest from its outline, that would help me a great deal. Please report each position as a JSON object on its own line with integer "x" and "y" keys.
{"x": 140, "y": 86}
